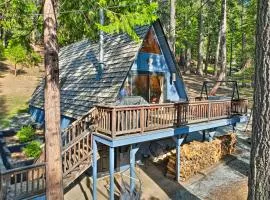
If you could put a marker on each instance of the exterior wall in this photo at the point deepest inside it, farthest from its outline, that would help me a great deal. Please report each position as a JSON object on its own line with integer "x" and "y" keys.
{"x": 148, "y": 62}
{"x": 170, "y": 60}
{"x": 38, "y": 116}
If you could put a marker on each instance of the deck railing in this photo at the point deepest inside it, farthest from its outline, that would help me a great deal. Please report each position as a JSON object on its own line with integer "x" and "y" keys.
{"x": 22, "y": 183}
{"x": 76, "y": 153}
{"x": 78, "y": 127}
{"x": 119, "y": 120}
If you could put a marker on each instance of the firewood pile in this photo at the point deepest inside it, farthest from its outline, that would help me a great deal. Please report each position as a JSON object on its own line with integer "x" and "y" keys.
{"x": 197, "y": 156}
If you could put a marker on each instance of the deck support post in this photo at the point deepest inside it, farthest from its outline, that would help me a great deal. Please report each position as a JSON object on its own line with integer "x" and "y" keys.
{"x": 179, "y": 141}
{"x": 211, "y": 135}
{"x": 133, "y": 151}
{"x": 204, "y": 132}
{"x": 94, "y": 175}
{"x": 111, "y": 173}
{"x": 234, "y": 127}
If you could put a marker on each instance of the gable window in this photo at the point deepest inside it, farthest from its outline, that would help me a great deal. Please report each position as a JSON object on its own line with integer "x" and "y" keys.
{"x": 150, "y": 86}
{"x": 150, "y": 44}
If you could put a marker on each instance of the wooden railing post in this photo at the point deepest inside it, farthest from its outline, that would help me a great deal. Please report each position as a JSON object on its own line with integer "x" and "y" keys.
{"x": 178, "y": 121}
{"x": 142, "y": 119}
{"x": 113, "y": 122}
{"x": 209, "y": 110}
{"x": 230, "y": 109}
{"x": 3, "y": 186}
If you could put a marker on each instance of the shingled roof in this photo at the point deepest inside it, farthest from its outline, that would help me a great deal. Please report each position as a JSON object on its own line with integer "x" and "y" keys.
{"x": 80, "y": 89}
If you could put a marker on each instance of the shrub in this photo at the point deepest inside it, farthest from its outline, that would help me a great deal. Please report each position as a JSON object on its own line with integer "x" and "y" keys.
{"x": 16, "y": 53}
{"x": 34, "y": 59}
{"x": 33, "y": 149}
{"x": 26, "y": 134}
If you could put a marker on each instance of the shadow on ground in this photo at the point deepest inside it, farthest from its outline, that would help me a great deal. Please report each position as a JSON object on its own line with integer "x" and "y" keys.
{"x": 173, "y": 189}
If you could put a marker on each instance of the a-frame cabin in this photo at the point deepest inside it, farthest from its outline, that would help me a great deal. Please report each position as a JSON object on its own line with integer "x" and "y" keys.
{"x": 137, "y": 97}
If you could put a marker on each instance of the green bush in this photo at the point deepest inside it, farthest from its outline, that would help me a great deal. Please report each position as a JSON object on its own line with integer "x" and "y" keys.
{"x": 16, "y": 53}
{"x": 33, "y": 149}
{"x": 26, "y": 134}
{"x": 34, "y": 59}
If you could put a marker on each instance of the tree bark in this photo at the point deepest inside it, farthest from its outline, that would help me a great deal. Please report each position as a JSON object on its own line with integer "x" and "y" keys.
{"x": 54, "y": 182}
{"x": 259, "y": 177}
{"x": 217, "y": 54}
{"x": 243, "y": 56}
{"x": 200, "y": 42}
{"x": 223, "y": 50}
{"x": 207, "y": 54}
{"x": 188, "y": 57}
{"x": 172, "y": 25}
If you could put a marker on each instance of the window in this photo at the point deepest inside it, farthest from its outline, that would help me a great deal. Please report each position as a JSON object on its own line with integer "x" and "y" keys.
{"x": 150, "y": 86}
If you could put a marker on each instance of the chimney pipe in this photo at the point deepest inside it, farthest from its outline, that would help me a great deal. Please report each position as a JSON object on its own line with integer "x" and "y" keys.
{"x": 101, "y": 39}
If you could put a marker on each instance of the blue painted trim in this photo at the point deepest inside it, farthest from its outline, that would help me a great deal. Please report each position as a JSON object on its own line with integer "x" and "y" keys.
{"x": 38, "y": 115}
{"x": 170, "y": 59}
{"x": 111, "y": 173}
{"x": 94, "y": 175}
{"x": 169, "y": 132}
{"x": 179, "y": 141}
{"x": 158, "y": 63}
{"x": 133, "y": 150}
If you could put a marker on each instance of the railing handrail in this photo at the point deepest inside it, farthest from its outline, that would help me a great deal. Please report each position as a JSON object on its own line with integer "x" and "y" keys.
{"x": 166, "y": 104}
{"x": 24, "y": 168}
{"x": 74, "y": 142}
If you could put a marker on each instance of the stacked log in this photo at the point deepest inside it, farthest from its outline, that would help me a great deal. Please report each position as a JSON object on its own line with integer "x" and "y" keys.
{"x": 197, "y": 156}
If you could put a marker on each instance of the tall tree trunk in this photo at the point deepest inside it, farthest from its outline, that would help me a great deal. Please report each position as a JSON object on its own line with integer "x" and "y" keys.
{"x": 200, "y": 42}
{"x": 207, "y": 53}
{"x": 188, "y": 57}
{"x": 217, "y": 54}
{"x": 223, "y": 50}
{"x": 259, "y": 177}
{"x": 231, "y": 56}
{"x": 54, "y": 182}
{"x": 243, "y": 57}
{"x": 172, "y": 25}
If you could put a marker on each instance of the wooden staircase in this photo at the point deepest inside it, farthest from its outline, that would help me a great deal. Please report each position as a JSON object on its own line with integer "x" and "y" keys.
{"x": 77, "y": 157}
{"x": 77, "y": 147}
{"x": 28, "y": 182}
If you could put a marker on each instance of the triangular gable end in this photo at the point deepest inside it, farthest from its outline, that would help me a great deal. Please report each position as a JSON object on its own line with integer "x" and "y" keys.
{"x": 170, "y": 59}
{"x": 155, "y": 65}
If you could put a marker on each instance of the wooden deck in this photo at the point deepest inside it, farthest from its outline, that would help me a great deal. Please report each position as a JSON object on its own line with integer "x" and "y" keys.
{"x": 112, "y": 122}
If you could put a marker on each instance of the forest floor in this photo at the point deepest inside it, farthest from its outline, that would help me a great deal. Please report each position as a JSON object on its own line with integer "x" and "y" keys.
{"x": 15, "y": 92}
{"x": 194, "y": 85}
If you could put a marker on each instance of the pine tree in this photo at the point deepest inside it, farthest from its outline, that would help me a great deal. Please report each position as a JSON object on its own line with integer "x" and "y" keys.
{"x": 259, "y": 177}
{"x": 54, "y": 181}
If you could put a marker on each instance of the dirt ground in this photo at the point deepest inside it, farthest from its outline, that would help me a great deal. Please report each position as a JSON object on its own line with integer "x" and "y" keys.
{"x": 15, "y": 92}
{"x": 194, "y": 85}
